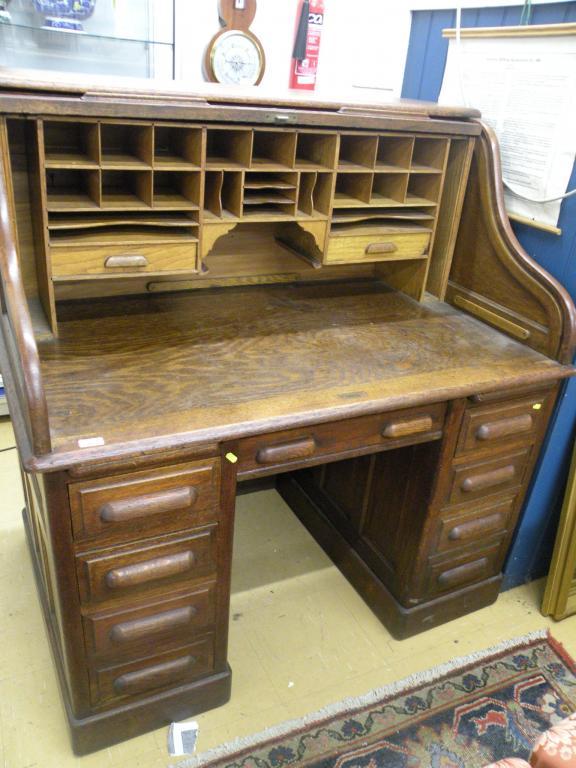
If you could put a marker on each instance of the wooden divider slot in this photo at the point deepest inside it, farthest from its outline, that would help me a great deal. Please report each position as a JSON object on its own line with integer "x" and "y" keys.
{"x": 316, "y": 151}
{"x": 126, "y": 189}
{"x": 71, "y": 144}
{"x": 353, "y": 189}
{"x": 177, "y": 147}
{"x": 228, "y": 149}
{"x": 213, "y": 181}
{"x": 394, "y": 153}
{"x": 357, "y": 151}
{"x": 389, "y": 188}
{"x": 273, "y": 150}
{"x": 126, "y": 146}
{"x": 429, "y": 155}
{"x": 424, "y": 189}
{"x": 72, "y": 190}
{"x": 176, "y": 190}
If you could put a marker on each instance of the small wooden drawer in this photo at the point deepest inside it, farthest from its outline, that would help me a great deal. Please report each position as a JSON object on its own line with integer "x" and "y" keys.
{"x": 129, "y": 507}
{"x": 473, "y": 525}
{"x": 455, "y": 573}
{"x": 139, "y": 678}
{"x": 162, "y": 624}
{"x": 306, "y": 446}
{"x": 69, "y": 261}
{"x": 475, "y": 480}
{"x": 120, "y": 572}
{"x": 345, "y": 247}
{"x": 497, "y": 424}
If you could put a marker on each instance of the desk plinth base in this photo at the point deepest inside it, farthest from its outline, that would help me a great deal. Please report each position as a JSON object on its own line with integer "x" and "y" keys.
{"x": 121, "y": 723}
{"x": 400, "y": 621}
{"x": 97, "y": 731}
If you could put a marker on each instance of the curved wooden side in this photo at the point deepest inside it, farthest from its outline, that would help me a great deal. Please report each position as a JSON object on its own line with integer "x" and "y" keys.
{"x": 19, "y": 354}
{"x": 493, "y": 278}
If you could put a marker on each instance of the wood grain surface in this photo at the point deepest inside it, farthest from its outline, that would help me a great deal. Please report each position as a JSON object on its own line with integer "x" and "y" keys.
{"x": 218, "y": 365}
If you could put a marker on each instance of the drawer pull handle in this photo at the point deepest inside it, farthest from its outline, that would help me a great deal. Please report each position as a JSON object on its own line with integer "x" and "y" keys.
{"x": 299, "y": 449}
{"x": 136, "y": 629}
{"x": 122, "y": 510}
{"x": 489, "y": 479}
{"x": 473, "y": 528}
{"x": 495, "y": 430}
{"x": 463, "y": 573}
{"x": 408, "y": 427}
{"x": 149, "y": 570}
{"x": 126, "y": 260}
{"x": 375, "y": 248}
{"x": 152, "y": 677}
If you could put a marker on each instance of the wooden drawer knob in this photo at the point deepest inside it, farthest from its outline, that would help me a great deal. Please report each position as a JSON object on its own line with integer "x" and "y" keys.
{"x": 150, "y": 570}
{"x": 122, "y": 510}
{"x": 153, "y": 677}
{"x": 136, "y": 629}
{"x": 473, "y": 528}
{"x": 299, "y": 449}
{"x": 126, "y": 260}
{"x": 488, "y": 479}
{"x": 463, "y": 573}
{"x": 408, "y": 427}
{"x": 375, "y": 248}
{"x": 495, "y": 430}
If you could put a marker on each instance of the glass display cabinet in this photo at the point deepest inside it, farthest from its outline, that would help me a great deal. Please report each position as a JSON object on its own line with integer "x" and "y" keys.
{"x": 108, "y": 37}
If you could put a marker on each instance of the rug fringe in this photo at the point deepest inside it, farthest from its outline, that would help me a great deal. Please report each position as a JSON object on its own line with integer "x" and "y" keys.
{"x": 356, "y": 702}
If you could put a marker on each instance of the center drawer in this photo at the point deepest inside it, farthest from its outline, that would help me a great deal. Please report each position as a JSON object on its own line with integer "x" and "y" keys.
{"x": 306, "y": 446}
{"x": 123, "y": 259}
{"x": 116, "y": 573}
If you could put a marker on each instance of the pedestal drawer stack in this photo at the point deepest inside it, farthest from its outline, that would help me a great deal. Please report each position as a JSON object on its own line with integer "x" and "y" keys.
{"x": 147, "y": 566}
{"x": 485, "y": 486}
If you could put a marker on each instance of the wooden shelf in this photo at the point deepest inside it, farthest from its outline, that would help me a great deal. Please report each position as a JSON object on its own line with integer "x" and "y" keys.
{"x": 266, "y": 197}
{"x": 101, "y": 219}
{"x": 263, "y": 164}
{"x": 123, "y": 200}
{"x": 223, "y": 164}
{"x": 123, "y": 162}
{"x": 66, "y": 159}
{"x": 174, "y": 163}
{"x": 173, "y": 200}
{"x": 270, "y": 183}
{"x": 388, "y": 168}
{"x": 212, "y": 218}
{"x": 417, "y": 168}
{"x": 70, "y": 201}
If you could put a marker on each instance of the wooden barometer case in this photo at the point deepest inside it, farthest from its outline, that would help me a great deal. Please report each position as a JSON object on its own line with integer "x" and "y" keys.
{"x": 235, "y": 56}
{"x": 200, "y": 290}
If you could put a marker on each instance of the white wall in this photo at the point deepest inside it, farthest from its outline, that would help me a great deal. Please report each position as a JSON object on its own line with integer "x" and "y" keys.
{"x": 367, "y": 49}
{"x": 364, "y": 42}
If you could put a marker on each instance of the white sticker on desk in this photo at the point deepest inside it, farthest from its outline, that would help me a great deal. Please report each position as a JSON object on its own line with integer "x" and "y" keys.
{"x": 90, "y": 442}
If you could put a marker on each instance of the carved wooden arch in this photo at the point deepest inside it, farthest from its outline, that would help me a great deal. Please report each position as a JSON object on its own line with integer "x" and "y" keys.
{"x": 492, "y": 276}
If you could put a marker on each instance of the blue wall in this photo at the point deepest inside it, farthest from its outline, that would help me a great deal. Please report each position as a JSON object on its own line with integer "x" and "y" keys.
{"x": 427, "y": 51}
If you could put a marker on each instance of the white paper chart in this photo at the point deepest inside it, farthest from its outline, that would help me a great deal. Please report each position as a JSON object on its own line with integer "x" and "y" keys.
{"x": 525, "y": 88}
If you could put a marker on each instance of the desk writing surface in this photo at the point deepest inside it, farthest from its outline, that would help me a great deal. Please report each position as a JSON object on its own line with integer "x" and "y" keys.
{"x": 221, "y": 364}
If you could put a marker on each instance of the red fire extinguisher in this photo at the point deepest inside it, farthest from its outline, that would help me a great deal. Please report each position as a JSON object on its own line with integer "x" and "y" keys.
{"x": 306, "y": 52}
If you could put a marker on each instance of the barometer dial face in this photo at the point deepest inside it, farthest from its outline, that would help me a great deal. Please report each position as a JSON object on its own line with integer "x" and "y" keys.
{"x": 237, "y": 58}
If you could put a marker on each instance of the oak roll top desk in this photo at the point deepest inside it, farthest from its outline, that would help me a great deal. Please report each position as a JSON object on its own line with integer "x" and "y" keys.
{"x": 199, "y": 290}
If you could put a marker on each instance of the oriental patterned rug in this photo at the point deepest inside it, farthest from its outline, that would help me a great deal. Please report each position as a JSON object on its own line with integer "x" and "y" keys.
{"x": 465, "y": 714}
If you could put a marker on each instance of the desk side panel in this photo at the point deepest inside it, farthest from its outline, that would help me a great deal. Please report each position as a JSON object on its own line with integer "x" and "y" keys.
{"x": 494, "y": 279}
